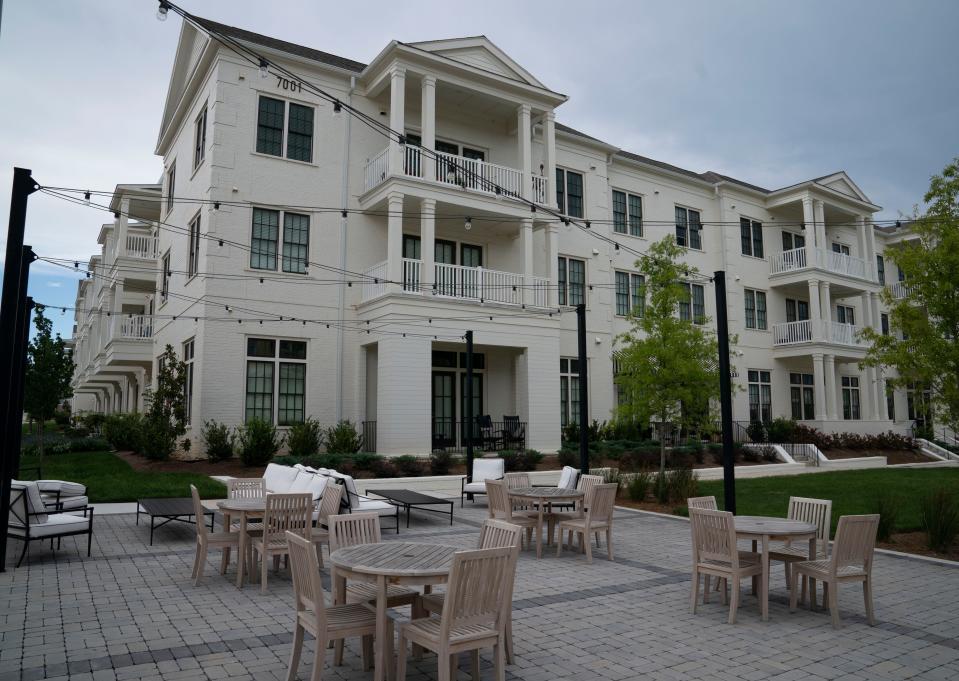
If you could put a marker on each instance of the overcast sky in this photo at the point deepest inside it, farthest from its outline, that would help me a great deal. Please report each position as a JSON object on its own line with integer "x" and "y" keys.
{"x": 769, "y": 92}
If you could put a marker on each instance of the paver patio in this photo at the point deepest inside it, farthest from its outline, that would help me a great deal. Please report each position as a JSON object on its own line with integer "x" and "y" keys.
{"x": 131, "y": 612}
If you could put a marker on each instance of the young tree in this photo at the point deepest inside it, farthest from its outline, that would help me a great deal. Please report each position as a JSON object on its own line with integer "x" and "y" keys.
{"x": 927, "y": 354}
{"x": 166, "y": 416}
{"x": 49, "y": 371}
{"x": 668, "y": 365}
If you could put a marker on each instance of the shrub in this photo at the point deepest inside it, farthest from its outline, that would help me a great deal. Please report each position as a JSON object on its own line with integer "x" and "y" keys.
{"x": 156, "y": 442}
{"x": 511, "y": 460}
{"x": 343, "y": 438}
{"x": 780, "y": 430}
{"x": 382, "y": 467}
{"x": 638, "y": 486}
{"x": 567, "y": 457}
{"x": 76, "y": 431}
{"x": 756, "y": 431}
{"x": 60, "y": 447}
{"x": 440, "y": 462}
{"x": 939, "y": 517}
{"x": 531, "y": 459}
{"x": 219, "y": 441}
{"x": 769, "y": 454}
{"x": 366, "y": 461}
{"x": 89, "y": 444}
{"x": 258, "y": 441}
{"x": 408, "y": 465}
{"x": 305, "y": 438}
{"x": 661, "y": 488}
{"x": 93, "y": 421}
{"x": 699, "y": 453}
{"x": 681, "y": 484}
{"x": 62, "y": 416}
{"x": 123, "y": 431}
{"x": 751, "y": 455}
{"x": 887, "y": 505}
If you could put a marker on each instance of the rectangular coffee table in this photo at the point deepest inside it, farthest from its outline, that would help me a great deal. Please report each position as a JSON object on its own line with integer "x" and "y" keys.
{"x": 180, "y": 509}
{"x": 408, "y": 499}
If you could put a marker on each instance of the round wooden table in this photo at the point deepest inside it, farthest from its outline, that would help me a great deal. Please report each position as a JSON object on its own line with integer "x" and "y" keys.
{"x": 544, "y": 497}
{"x": 245, "y": 508}
{"x": 392, "y": 562}
{"x": 763, "y": 529}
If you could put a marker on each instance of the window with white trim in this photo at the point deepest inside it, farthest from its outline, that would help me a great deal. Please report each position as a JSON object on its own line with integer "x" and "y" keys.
{"x": 760, "y": 392}
{"x": 692, "y": 307}
{"x": 850, "y": 398}
{"x": 689, "y": 228}
{"x": 295, "y": 137}
{"x": 884, "y": 323}
{"x": 755, "y": 309}
{"x": 842, "y": 249}
{"x": 275, "y": 380}
{"x": 265, "y": 241}
{"x": 802, "y": 396}
{"x": 568, "y": 390}
{"x": 630, "y": 299}
{"x": 188, "y": 353}
{"x": 569, "y": 192}
{"x": 165, "y": 277}
{"x": 845, "y": 314}
{"x": 792, "y": 241}
{"x": 170, "y": 186}
{"x": 881, "y": 269}
{"x": 627, "y": 213}
{"x": 751, "y": 235}
{"x": 193, "y": 258}
{"x": 572, "y": 281}
{"x": 199, "y": 138}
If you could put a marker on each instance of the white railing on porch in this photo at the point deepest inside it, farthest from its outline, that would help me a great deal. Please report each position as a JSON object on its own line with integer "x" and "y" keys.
{"x": 787, "y": 261}
{"x": 899, "y": 290}
{"x": 472, "y": 173}
{"x": 143, "y": 246}
{"x": 842, "y": 334}
{"x": 136, "y": 327}
{"x": 376, "y": 170}
{"x": 790, "y": 333}
{"x": 840, "y": 263}
{"x": 412, "y": 274}
{"x": 375, "y": 281}
{"x": 540, "y": 189}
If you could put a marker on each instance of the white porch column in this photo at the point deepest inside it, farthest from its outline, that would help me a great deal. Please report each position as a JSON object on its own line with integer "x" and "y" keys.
{"x": 809, "y": 232}
{"x": 550, "y": 132}
{"x": 868, "y": 396}
{"x": 429, "y": 129}
{"x": 830, "y": 371}
{"x": 864, "y": 251}
{"x": 815, "y": 318}
{"x": 117, "y": 310}
{"x": 871, "y": 246}
{"x": 876, "y": 316}
{"x": 394, "y": 243}
{"x": 819, "y": 386}
{"x": 881, "y": 398}
{"x": 825, "y": 307}
{"x": 552, "y": 262}
{"x": 542, "y": 393}
{"x": 526, "y": 243}
{"x": 397, "y": 117}
{"x": 427, "y": 244}
{"x": 525, "y": 149}
{"x": 819, "y": 214}
{"x": 403, "y": 370}
{"x": 120, "y": 227}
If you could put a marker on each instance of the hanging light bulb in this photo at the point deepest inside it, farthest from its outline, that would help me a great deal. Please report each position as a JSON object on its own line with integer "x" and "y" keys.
{"x": 337, "y": 108}
{"x": 216, "y": 205}
{"x": 162, "y": 10}
{"x": 264, "y": 65}
{"x": 86, "y": 197}
{"x": 468, "y": 225}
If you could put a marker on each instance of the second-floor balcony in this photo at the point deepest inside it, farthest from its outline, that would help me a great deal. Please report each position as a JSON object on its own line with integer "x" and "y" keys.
{"x": 798, "y": 259}
{"x": 472, "y": 284}
{"x": 899, "y": 290}
{"x": 803, "y": 332}
{"x": 135, "y": 327}
{"x": 458, "y": 171}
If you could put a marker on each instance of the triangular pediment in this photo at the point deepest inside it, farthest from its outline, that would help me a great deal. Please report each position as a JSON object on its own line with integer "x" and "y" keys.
{"x": 189, "y": 50}
{"x": 479, "y": 52}
{"x": 843, "y": 184}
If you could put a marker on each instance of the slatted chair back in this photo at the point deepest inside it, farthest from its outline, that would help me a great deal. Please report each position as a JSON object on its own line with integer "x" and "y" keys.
{"x": 601, "y": 508}
{"x": 714, "y": 536}
{"x": 817, "y": 512}
{"x": 351, "y": 529}
{"x": 587, "y": 485}
{"x": 198, "y": 511}
{"x": 245, "y": 488}
{"x": 329, "y": 503}
{"x": 499, "y": 503}
{"x": 307, "y": 584}
{"x": 855, "y": 543}
{"x": 517, "y": 480}
{"x": 498, "y": 534}
{"x": 708, "y": 503}
{"x": 287, "y": 513}
{"x": 480, "y": 584}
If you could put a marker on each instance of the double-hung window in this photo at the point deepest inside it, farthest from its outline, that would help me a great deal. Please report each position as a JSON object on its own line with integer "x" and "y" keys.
{"x": 572, "y": 281}
{"x": 751, "y": 235}
{"x": 842, "y": 249}
{"x": 627, "y": 213}
{"x": 692, "y": 306}
{"x": 569, "y": 390}
{"x": 170, "y": 186}
{"x": 689, "y": 228}
{"x": 193, "y": 259}
{"x": 881, "y": 269}
{"x": 850, "y": 398}
{"x": 188, "y": 383}
{"x": 199, "y": 138}
{"x": 884, "y": 323}
{"x": 630, "y": 294}
{"x": 760, "y": 396}
{"x": 792, "y": 241}
{"x": 845, "y": 314}
{"x": 275, "y": 380}
{"x": 265, "y": 240}
{"x": 569, "y": 192}
{"x": 802, "y": 396}
{"x": 755, "y": 309}
{"x": 284, "y": 129}
{"x": 165, "y": 277}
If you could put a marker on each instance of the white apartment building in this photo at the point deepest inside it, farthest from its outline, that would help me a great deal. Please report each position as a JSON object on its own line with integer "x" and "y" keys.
{"x": 248, "y": 215}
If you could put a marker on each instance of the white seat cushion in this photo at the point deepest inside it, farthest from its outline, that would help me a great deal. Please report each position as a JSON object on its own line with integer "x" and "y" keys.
{"x": 317, "y": 486}
{"x": 277, "y": 478}
{"x": 33, "y": 498}
{"x": 475, "y": 488}
{"x": 488, "y": 469}
{"x": 54, "y": 525}
{"x": 350, "y": 491}
{"x": 66, "y": 503}
{"x": 567, "y": 479}
{"x": 301, "y": 483}
{"x": 379, "y": 507}
{"x": 66, "y": 489}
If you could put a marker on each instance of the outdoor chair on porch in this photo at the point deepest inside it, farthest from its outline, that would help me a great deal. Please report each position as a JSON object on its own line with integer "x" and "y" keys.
{"x": 598, "y": 519}
{"x": 284, "y": 513}
{"x": 30, "y": 519}
{"x": 483, "y": 470}
{"x": 489, "y": 440}
{"x": 514, "y": 433}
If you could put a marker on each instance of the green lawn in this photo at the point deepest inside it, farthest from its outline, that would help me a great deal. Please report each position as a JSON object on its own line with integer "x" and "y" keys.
{"x": 109, "y": 478}
{"x": 852, "y": 492}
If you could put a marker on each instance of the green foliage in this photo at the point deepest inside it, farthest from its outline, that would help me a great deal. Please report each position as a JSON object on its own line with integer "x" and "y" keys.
{"x": 661, "y": 488}
{"x": 343, "y": 438}
{"x": 258, "y": 442}
{"x": 638, "y": 486}
{"x": 408, "y": 465}
{"x": 48, "y": 373}
{"x": 666, "y": 362}
{"x": 568, "y": 457}
{"x": 166, "y": 417}
{"x": 62, "y": 415}
{"x": 939, "y": 516}
{"x": 781, "y": 430}
{"x": 756, "y": 431}
{"x": 93, "y": 421}
{"x": 305, "y": 438}
{"x": 89, "y": 444}
{"x": 61, "y": 447}
{"x": 123, "y": 431}
{"x": 366, "y": 461}
{"x": 825, "y": 441}
{"x": 887, "y": 504}
{"x": 218, "y": 439}
{"x": 682, "y": 484}
{"x": 521, "y": 460}
{"x": 440, "y": 462}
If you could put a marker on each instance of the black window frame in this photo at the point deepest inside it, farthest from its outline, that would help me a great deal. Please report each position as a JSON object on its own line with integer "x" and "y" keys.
{"x": 880, "y": 269}
{"x": 193, "y": 247}
{"x": 761, "y": 380}
{"x": 693, "y": 309}
{"x": 688, "y": 236}
{"x": 568, "y": 295}
{"x": 170, "y": 186}
{"x": 802, "y": 396}
{"x": 630, "y": 223}
{"x": 564, "y": 196}
{"x": 751, "y": 237}
{"x": 189, "y": 354}
{"x": 631, "y": 286}
{"x": 165, "y": 277}
{"x": 760, "y": 313}
{"x": 282, "y": 356}
{"x": 851, "y": 398}
{"x": 276, "y": 128}
{"x": 199, "y": 138}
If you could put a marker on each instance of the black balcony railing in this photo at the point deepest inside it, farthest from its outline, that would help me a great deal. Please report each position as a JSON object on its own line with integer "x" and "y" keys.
{"x": 487, "y": 435}
{"x": 369, "y": 436}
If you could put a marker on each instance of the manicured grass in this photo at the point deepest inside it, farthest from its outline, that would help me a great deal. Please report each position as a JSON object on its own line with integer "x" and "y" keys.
{"x": 109, "y": 478}
{"x": 852, "y": 492}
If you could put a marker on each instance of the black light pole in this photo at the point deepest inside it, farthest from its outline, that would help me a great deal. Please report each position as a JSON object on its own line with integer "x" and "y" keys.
{"x": 583, "y": 390}
{"x": 725, "y": 393}
{"x": 468, "y": 396}
{"x": 12, "y": 303}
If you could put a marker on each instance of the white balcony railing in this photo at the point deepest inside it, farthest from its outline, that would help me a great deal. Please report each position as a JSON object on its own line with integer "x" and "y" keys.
{"x": 376, "y": 170}
{"x": 791, "y": 333}
{"x": 412, "y": 274}
{"x": 794, "y": 333}
{"x": 375, "y": 284}
{"x": 840, "y": 263}
{"x": 142, "y": 246}
{"x": 899, "y": 290}
{"x": 540, "y": 189}
{"x": 842, "y": 334}
{"x": 787, "y": 261}
{"x": 136, "y": 327}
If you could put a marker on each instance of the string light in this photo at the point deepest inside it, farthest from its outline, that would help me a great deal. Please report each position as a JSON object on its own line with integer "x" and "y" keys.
{"x": 264, "y": 65}
{"x": 162, "y": 10}
{"x": 468, "y": 225}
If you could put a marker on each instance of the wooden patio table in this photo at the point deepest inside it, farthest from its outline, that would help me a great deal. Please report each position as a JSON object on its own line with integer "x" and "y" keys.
{"x": 391, "y": 562}
{"x": 763, "y": 529}
{"x": 245, "y": 508}
{"x": 543, "y": 497}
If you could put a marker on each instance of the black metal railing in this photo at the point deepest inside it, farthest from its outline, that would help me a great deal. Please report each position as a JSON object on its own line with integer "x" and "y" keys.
{"x": 369, "y": 436}
{"x": 453, "y": 435}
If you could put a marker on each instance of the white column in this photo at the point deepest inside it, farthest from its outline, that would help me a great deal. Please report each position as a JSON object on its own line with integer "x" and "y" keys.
{"x": 815, "y": 318}
{"x": 526, "y": 244}
{"x": 397, "y": 117}
{"x": 394, "y": 242}
{"x": 525, "y": 149}
{"x": 427, "y": 244}
{"x": 881, "y": 397}
{"x": 809, "y": 232}
{"x": 868, "y": 396}
{"x": 120, "y": 227}
{"x": 819, "y": 386}
{"x": 117, "y": 310}
{"x": 825, "y": 307}
{"x": 550, "y": 132}
{"x": 864, "y": 252}
{"x": 830, "y": 372}
{"x": 403, "y": 369}
{"x": 871, "y": 247}
{"x": 552, "y": 262}
{"x": 876, "y": 316}
{"x": 820, "y": 220}
{"x": 429, "y": 128}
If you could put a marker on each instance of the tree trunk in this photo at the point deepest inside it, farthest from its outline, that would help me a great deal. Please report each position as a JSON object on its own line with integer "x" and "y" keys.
{"x": 40, "y": 443}
{"x": 662, "y": 448}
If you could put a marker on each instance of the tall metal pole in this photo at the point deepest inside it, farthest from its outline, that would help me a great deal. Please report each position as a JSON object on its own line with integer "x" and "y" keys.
{"x": 468, "y": 396}
{"x": 20, "y": 370}
{"x": 725, "y": 393}
{"x": 12, "y": 302}
{"x": 583, "y": 389}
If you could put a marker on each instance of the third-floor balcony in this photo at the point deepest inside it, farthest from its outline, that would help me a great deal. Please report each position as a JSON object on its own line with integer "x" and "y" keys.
{"x": 803, "y": 332}
{"x": 798, "y": 260}
{"x": 899, "y": 290}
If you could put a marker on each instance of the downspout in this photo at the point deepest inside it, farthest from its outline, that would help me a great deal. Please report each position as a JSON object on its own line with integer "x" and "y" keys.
{"x": 341, "y": 306}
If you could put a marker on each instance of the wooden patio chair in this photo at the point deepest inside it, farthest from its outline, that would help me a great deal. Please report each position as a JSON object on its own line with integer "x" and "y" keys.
{"x": 516, "y": 481}
{"x": 715, "y": 553}
{"x": 325, "y": 623}
{"x": 284, "y": 513}
{"x": 817, "y": 512}
{"x": 587, "y": 485}
{"x": 329, "y": 505}
{"x": 245, "y": 488}
{"x": 205, "y": 539}
{"x": 598, "y": 519}
{"x": 501, "y": 507}
{"x": 474, "y": 613}
{"x": 851, "y": 561}
{"x": 707, "y": 503}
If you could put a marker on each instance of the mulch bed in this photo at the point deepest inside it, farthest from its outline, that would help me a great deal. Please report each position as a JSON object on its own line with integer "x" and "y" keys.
{"x": 231, "y": 467}
{"x": 915, "y": 542}
{"x": 893, "y": 456}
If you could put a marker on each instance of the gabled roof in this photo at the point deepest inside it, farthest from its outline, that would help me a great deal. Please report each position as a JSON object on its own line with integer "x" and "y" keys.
{"x": 479, "y": 52}
{"x": 842, "y": 183}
